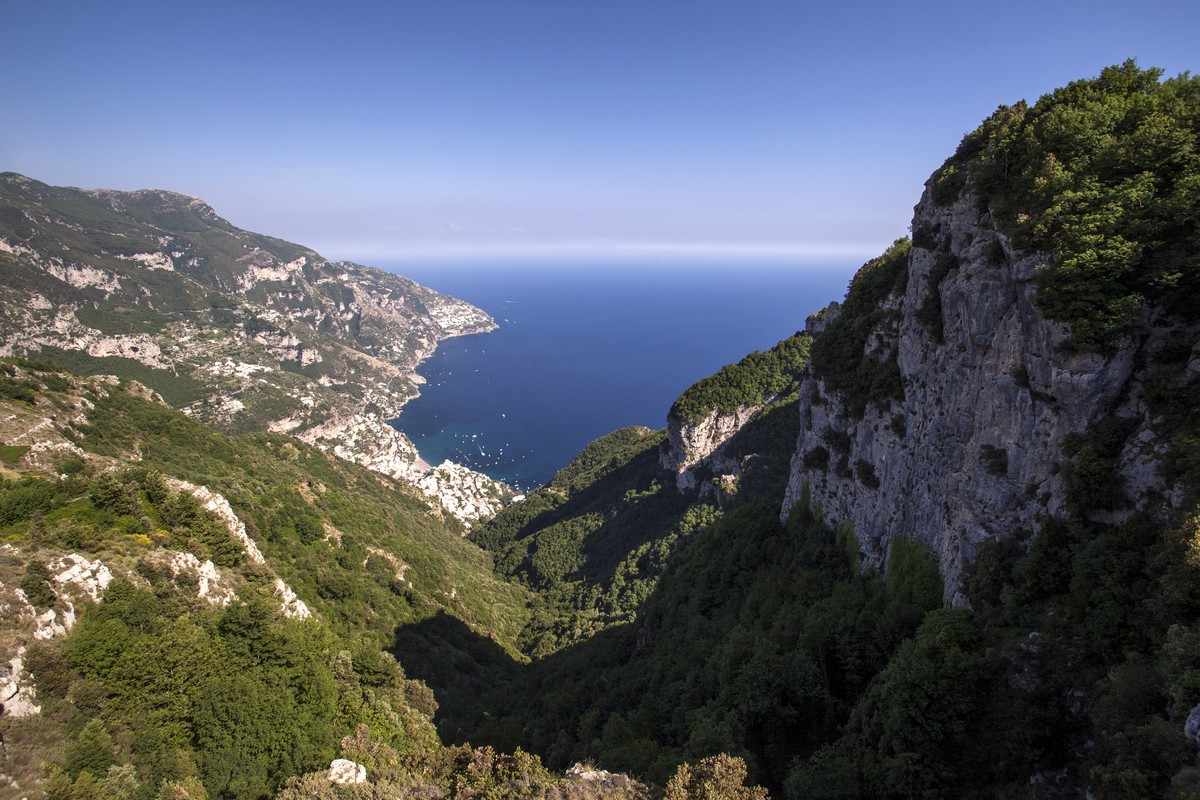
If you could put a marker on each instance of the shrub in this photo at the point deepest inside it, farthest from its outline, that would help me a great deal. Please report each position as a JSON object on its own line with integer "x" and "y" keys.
{"x": 865, "y": 471}
{"x": 35, "y": 583}
{"x": 930, "y": 312}
{"x": 21, "y": 391}
{"x": 1100, "y": 175}
{"x": 913, "y": 574}
{"x": 720, "y": 777}
{"x": 994, "y": 459}
{"x": 839, "y": 354}
{"x": 816, "y": 459}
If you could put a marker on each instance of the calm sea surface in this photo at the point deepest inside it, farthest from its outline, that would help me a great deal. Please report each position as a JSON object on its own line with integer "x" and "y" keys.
{"x": 584, "y": 350}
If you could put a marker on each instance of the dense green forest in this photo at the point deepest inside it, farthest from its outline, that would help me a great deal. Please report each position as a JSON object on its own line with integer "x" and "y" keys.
{"x": 163, "y": 691}
{"x": 158, "y": 685}
{"x": 766, "y": 641}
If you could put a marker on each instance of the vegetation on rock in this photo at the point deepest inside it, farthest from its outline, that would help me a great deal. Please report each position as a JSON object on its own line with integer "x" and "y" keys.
{"x": 844, "y": 355}
{"x": 750, "y": 382}
{"x": 694, "y": 641}
{"x": 1102, "y": 176}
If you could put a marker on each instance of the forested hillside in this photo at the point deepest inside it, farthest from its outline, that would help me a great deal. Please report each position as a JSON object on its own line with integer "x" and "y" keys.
{"x": 242, "y": 331}
{"x": 200, "y": 662}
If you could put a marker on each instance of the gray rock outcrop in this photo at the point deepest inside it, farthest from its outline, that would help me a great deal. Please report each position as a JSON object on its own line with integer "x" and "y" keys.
{"x": 972, "y": 452}
{"x": 1191, "y": 726}
{"x": 690, "y": 444}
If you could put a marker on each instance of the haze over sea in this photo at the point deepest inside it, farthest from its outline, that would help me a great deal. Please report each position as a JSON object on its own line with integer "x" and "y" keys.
{"x": 588, "y": 348}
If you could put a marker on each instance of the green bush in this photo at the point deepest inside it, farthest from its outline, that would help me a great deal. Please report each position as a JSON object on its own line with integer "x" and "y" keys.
{"x": 1100, "y": 175}
{"x": 865, "y": 471}
{"x": 21, "y": 501}
{"x": 720, "y": 777}
{"x": 839, "y": 354}
{"x": 994, "y": 459}
{"x": 930, "y": 312}
{"x": 913, "y": 574}
{"x": 10, "y": 454}
{"x": 35, "y": 583}
{"x": 19, "y": 390}
{"x": 816, "y": 459}
{"x": 749, "y": 382}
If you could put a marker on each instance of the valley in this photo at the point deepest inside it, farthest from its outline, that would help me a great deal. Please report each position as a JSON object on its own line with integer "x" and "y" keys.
{"x": 942, "y": 542}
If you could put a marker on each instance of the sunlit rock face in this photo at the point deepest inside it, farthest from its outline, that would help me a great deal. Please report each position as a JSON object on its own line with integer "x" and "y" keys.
{"x": 690, "y": 444}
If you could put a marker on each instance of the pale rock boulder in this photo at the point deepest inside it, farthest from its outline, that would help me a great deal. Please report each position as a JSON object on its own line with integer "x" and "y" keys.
{"x": 152, "y": 260}
{"x": 75, "y": 572}
{"x": 589, "y": 774}
{"x": 1191, "y": 727}
{"x": 345, "y": 772}
{"x": 211, "y": 585}
{"x": 293, "y": 607}
{"x": 82, "y": 276}
{"x": 17, "y": 697}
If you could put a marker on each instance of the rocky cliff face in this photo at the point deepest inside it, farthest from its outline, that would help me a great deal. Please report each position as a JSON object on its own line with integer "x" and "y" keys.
{"x": 690, "y": 444}
{"x": 704, "y": 423}
{"x": 991, "y": 391}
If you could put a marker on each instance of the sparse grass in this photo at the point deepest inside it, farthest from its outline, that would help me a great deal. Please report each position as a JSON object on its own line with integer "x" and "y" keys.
{"x": 10, "y": 454}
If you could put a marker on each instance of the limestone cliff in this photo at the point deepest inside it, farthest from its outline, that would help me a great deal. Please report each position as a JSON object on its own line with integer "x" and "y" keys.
{"x": 690, "y": 444}
{"x": 704, "y": 423}
{"x": 969, "y": 444}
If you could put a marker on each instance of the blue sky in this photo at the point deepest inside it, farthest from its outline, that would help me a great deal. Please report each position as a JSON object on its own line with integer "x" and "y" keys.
{"x": 562, "y": 129}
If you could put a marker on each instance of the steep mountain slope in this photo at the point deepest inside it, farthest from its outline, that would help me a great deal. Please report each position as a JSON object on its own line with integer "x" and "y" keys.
{"x": 246, "y": 586}
{"x": 153, "y": 648}
{"x": 1000, "y": 416}
{"x": 594, "y": 541}
{"x": 237, "y": 329}
{"x": 714, "y": 410}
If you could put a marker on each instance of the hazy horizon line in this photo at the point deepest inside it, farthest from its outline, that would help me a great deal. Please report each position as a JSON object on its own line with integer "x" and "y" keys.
{"x": 598, "y": 250}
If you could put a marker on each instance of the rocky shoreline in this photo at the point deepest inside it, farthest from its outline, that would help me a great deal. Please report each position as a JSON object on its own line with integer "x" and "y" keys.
{"x": 367, "y": 439}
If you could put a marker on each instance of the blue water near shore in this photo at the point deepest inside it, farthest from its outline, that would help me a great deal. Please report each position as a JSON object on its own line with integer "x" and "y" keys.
{"x": 585, "y": 349}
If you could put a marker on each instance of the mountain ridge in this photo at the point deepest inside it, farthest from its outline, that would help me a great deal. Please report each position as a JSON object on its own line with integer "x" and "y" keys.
{"x": 238, "y": 329}
{"x": 982, "y": 571}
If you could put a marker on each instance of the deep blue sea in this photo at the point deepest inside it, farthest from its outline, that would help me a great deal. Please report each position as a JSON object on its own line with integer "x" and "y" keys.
{"x": 585, "y": 349}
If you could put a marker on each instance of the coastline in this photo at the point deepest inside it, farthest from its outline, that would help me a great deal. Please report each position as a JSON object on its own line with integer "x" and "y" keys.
{"x": 368, "y": 439}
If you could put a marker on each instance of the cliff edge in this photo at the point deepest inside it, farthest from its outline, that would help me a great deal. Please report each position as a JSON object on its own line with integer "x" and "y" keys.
{"x": 1010, "y": 365}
